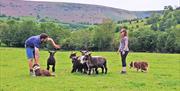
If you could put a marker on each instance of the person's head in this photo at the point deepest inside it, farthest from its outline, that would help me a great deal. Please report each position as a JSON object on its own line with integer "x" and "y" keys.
{"x": 43, "y": 37}
{"x": 123, "y": 32}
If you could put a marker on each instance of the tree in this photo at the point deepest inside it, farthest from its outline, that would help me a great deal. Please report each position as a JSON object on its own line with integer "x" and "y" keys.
{"x": 153, "y": 19}
{"x": 154, "y": 26}
{"x": 142, "y": 39}
{"x": 104, "y": 34}
{"x": 161, "y": 42}
{"x": 167, "y": 21}
{"x": 3, "y": 28}
{"x": 8, "y": 36}
{"x": 177, "y": 16}
{"x": 170, "y": 42}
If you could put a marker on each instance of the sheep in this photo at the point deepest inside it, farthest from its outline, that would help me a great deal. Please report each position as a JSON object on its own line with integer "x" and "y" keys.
{"x": 95, "y": 62}
{"x": 77, "y": 65}
{"x": 51, "y": 61}
{"x": 85, "y": 68}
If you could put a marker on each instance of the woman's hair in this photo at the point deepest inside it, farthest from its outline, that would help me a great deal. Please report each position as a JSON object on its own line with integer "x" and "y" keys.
{"x": 124, "y": 30}
{"x": 43, "y": 36}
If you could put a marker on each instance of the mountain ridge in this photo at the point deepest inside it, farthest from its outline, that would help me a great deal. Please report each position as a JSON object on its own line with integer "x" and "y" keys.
{"x": 68, "y": 12}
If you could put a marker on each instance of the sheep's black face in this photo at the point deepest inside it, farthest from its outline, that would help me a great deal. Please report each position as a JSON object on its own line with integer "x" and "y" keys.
{"x": 72, "y": 55}
{"x": 52, "y": 53}
{"x": 85, "y": 57}
{"x": 74, "y": 58}
{"x": 83, "y": 52}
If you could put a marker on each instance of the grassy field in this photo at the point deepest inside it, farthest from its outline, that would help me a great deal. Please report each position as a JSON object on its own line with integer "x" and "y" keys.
{"x": 163, "y": 75}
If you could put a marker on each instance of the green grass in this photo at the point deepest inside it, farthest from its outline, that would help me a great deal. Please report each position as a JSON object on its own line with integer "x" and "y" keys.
{"x": 163, "y": 74}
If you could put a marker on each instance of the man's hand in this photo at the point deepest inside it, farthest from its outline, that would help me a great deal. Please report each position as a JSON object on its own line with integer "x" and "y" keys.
{"x": 53, "y": 43}
{"x": 57, "y": 46}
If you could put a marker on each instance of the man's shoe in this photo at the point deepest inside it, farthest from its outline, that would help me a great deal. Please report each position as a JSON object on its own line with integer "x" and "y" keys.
{"x": 32, "y": 74}
{"x": 123, "y": 72}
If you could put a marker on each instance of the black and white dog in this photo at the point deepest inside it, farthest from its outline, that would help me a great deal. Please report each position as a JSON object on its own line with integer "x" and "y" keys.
{"x": 40, "y": 72}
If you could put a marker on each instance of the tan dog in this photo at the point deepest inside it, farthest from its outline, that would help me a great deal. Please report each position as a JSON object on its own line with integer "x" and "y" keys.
{"x": 139, "y": 65}
{"x": 40, "y": 72}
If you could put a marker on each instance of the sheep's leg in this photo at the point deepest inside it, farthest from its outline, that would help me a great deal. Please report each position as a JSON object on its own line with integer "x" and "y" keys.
{"x": 106, "y": 70}
{"x": 48, "y": 66}
{"x": 105, "y": 66}
{"x": 85, "y": 68}
{"x": 89, "y": 69}
{"x": 74, "y": 69}
{"x": 53, "y": 68}
{"x": 80, "y": 68}
{"x": 102, "y": 69}
{"x": 96, "y": 69}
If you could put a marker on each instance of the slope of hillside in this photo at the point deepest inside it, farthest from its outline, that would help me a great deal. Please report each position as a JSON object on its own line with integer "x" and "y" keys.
{"x": 64, "y": 12}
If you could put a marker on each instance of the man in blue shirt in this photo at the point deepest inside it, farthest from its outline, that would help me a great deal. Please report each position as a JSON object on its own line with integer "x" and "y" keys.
{"x": 32, "y": 45}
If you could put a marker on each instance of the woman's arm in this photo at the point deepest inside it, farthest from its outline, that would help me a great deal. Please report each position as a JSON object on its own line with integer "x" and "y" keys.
{"x": 126, "y": 44}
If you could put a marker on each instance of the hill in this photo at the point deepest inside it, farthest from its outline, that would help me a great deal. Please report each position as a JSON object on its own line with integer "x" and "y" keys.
{"x": 67, "y": 12}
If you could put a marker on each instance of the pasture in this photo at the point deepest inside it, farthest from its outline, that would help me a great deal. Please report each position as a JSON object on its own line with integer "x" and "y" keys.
{"x": 163, "y": 74}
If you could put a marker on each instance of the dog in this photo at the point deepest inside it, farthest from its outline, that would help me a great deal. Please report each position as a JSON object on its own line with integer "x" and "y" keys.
{"x": 143, "y": 66}
{"x": 40, "y": 72}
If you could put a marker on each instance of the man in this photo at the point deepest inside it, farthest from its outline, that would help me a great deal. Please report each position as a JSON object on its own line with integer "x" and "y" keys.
{"x": 32, "y": 45}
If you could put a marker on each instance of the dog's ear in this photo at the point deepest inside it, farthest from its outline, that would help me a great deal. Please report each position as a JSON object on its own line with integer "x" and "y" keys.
{"x": 35, "y": 65}
{"x": 132, "y": 64}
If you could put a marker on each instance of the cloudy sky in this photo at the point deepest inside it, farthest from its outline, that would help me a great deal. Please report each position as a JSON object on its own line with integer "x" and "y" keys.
{"x": 133, "y": 5}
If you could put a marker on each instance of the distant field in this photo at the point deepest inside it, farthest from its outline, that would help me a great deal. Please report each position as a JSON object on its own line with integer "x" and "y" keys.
{"x": 163, "y": 75}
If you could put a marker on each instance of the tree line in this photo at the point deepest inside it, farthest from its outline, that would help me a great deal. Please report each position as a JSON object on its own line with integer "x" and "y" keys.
{"x": 160, "y": 33}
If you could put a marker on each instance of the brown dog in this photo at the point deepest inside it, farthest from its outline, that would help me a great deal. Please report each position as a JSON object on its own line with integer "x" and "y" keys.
{"x": 139, "y": 65}
{"x": 40, "y": 72}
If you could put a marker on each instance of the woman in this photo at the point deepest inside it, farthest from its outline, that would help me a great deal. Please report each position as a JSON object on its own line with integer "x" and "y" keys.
{"x": 123, "y": 48}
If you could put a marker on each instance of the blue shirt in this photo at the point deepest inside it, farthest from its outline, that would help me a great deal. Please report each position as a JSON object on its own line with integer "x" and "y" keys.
{"x": 33, "y": 41}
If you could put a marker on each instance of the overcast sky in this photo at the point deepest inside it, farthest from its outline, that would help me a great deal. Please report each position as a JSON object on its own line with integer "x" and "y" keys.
{"x": 133, "y": 5}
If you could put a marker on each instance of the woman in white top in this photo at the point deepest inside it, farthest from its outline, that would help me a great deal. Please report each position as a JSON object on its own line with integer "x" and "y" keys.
{"x": 123, "y": 48}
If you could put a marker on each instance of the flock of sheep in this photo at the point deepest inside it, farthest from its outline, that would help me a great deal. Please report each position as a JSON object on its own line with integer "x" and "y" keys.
{"x": 86, "y": 63}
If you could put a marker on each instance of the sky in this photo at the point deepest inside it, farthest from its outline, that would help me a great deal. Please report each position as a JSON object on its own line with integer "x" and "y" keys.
{"x": 132, "y": 5}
